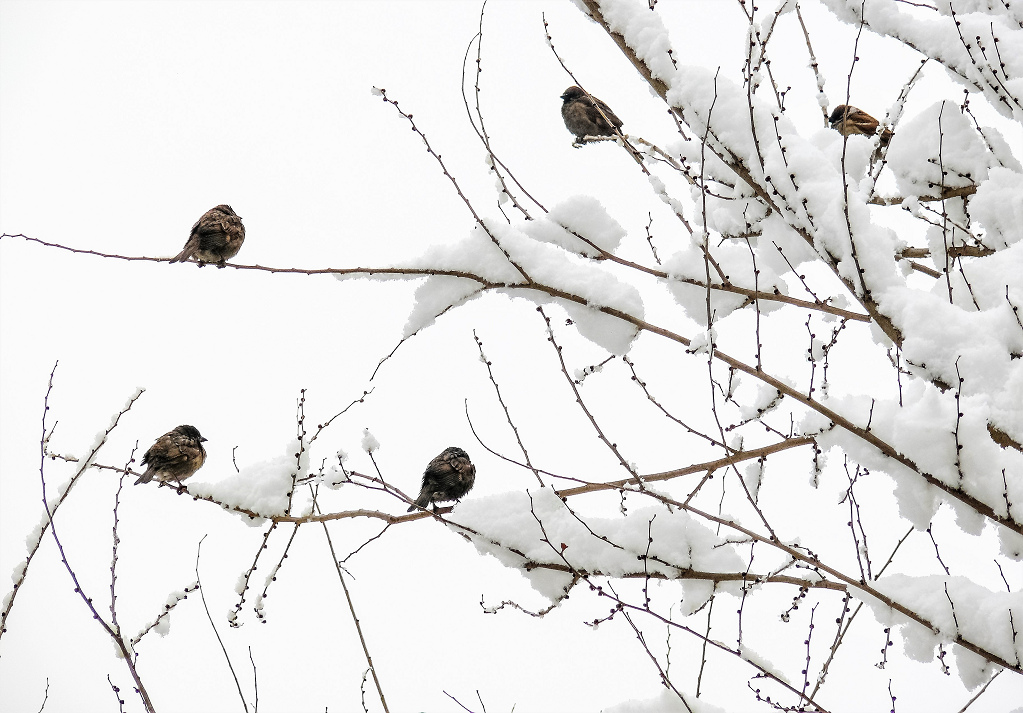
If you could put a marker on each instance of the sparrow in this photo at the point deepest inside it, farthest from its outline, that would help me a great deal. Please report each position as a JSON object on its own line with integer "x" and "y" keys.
{"x": 583, "y": 118}
{"x": 848, "y": 120}
{"x": 216, "y": 237}
{"x": 176, "y": 455}
{"x": 449, "y": 476}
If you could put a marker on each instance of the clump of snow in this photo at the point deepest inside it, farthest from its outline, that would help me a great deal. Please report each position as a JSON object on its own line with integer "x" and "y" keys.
{"x": 757, "y": 658}
{"x": 969, "y": 520}
{"x": 695, "y": 593}
{"x": 752, "y": 476}
{"x": 435, "y": 296}
{"x": 782, "y": 242}
{"x": 19, "y": 571}
{"x": 1010, "y": 543}
{"x": 735, "y": 261}
{"x": 997, "y": 206}
{"x": 949, "y": 341}
{"x": 1000, "y": 150}
{"x": 36, "y": 533}
{"x": 163, "y": 626}
{"x": 666, "y": 702}
{"x": 937, "y": 148}
{"x": 973, "y": 670}
{"x": 580, "y": 375}
{"x": 644, "y": 31}
{"x": 923, "y": 430}
{"x": 549, "y": 265}
{"x": 918, "y": 642}
{"x": 766, "y": 397}
{"x": 611, "y": 333}
{"x": 369, "y": 441}
{"x": 701, "y": 342}
{"x": 478, "y": 254}
{"x": 857, "y": 150}
{"x": 976, "y": 614}
{"x": 515, "y": 259}
{"x": 522, "y": 529}
{"x": 262, "y": 488}
{"x": 584, "y": 216}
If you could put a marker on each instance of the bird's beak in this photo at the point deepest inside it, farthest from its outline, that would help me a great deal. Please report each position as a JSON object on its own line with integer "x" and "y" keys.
{"x": 201, "y": 439}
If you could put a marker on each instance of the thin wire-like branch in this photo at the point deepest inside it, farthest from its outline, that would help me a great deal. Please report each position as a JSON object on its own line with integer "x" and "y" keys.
{"x": 355, "y": 618}
{"x": 613, "y": 447}
{"x": 112, "y": 630}
{"x": 476, "y": 114}
{"x": 507, "y": 415}
{"x": 255, "y": 683}
{"x": 46, "y": 694}
{"x": 227, "y": 657}
{"x": 50, "y": 510}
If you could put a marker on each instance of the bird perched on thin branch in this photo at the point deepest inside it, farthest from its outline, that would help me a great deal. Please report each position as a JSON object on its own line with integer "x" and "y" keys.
{"x": 848, "y": 120}
{"x": 449, "y": 476}
{"x": 176, "y": 455}
{"x": 216, "y": 237}
{"x": 582, "y": 115}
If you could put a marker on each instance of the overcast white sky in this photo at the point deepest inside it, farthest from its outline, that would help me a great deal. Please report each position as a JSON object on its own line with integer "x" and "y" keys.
{"x": 120, "y": 124}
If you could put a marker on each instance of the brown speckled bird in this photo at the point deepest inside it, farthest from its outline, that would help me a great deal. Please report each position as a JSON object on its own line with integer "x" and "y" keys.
{"x": 449, "y": 476}
{"x": 848, "y": 120}
{"x": 216, "y": 237}
{"x": 582, "y": 117}
{"x": 176, "y": 455}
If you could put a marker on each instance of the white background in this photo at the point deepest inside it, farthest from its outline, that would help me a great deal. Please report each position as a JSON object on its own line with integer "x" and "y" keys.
{"x": 120, "y": 124}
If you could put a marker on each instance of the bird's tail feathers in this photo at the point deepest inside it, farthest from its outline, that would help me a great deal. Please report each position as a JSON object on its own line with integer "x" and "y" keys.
{"x": 422, "y": 501}
{"x": 144, "y": 478}
{"x": 188, "y": 252}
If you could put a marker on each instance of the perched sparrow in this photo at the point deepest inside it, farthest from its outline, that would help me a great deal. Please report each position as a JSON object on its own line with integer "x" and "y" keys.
{"x": 848, "y": 120}
{"x": 448, "y": 477}
{"x": 176, "y": 455}
{"x": 216, "y": 237}
{"x": 582, "y": 117}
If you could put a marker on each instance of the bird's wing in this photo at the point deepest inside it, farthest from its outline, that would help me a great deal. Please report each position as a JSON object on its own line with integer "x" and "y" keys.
{"x": 444, "y": 467}
{"x": 608, "y": 113}
{"x": 179, "y": 449}
{"x": 212, "y": 226}
{"x": 864, "y": 121}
